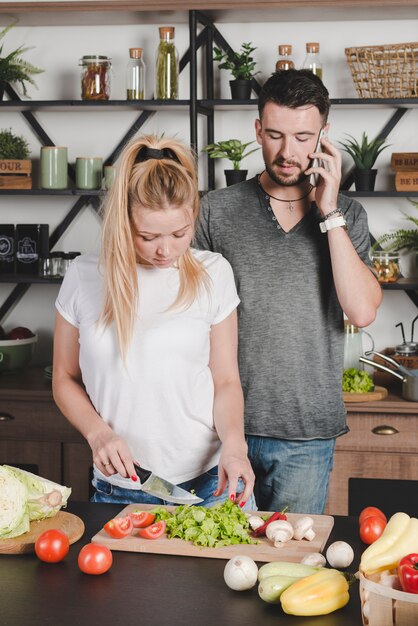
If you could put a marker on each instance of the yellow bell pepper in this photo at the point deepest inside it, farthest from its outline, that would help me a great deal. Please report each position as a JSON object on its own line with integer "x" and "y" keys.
{"x": 318, "y": 594}
{"x": 396, "y": 542}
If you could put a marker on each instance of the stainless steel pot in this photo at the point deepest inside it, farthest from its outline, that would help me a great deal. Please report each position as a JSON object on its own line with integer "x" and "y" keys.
{"x": 408, "y": 377}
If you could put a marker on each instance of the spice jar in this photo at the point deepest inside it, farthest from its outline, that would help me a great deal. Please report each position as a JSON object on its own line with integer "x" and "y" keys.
{"x": 135, "y": 75}
{"x": 312, "y": 61}
{"x": 95, "y": 77}
{"x": 285, "y": 58}
{"x": 167, "y": 66}
{"x": 386, "y": 266}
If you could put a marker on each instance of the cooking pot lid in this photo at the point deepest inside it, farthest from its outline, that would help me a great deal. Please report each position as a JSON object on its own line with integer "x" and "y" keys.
{"x": 406, "y": 348}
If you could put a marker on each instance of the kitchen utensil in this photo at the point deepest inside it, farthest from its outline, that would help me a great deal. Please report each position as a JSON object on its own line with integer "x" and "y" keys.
{"x": 409, "y": 381}
{"x": 67, "y": 523}
{"x": 16, "y": 353}
{"x": 407, "y": 347}
{"x": 369, "y": 396}
{"x": 353, "y": 344}
{"x": 263, "y": 551}
{"x": 161, "y": 488}
{"x": 393, "y": 362}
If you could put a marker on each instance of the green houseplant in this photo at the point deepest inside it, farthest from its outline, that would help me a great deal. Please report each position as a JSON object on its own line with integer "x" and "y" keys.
{"x": 14, "y": 69}
{"x": 15, "y": 167}
{"x": 364, "y": 154}
{"x": 402, "y": 240}
{"x": 241, "y": 65}
{"x": 233, "y": 150}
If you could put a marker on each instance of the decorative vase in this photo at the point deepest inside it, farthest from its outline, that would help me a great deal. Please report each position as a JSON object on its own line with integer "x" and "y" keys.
{"x": 240, "y": 89}
{"x": 235, "y": 176}
{"x": 364, "y": 180}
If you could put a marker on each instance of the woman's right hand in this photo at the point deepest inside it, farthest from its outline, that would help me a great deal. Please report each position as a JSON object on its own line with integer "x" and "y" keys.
{"x": 111, "y": 453}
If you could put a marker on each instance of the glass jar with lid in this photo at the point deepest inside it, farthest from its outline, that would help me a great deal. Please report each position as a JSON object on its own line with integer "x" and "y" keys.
{"x": 135, "y": 75}
{"x": 95, "y": 77}
{"x": 285, "y": 61}
{"x": 386, "y": 265}
{"x": 312, "y": 61}
{"x": 167, "y": 66}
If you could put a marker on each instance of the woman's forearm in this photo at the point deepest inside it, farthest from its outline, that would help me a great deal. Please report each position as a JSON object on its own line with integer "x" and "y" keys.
{"x": 228, "y": 412}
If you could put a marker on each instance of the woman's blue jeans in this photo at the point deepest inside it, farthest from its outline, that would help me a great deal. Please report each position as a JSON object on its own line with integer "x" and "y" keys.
{"x": 203, "y": 486}
{"x": 291, "y": 473}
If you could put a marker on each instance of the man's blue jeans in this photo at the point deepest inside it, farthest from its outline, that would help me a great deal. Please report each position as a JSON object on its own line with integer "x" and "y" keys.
{"x": 291, "y": 473}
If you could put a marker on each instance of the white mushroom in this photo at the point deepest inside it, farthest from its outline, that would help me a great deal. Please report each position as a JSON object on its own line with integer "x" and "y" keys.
{"x": 303, "y": 529}
{"x": 316, "y": 559}
{"x": 340, "y": 554}
{"x": 279, "y": 532}
{"x": 255, "y": 521}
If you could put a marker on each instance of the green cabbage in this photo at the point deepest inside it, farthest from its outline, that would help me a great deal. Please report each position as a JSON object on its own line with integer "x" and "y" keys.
{"x": 25, "y": 497}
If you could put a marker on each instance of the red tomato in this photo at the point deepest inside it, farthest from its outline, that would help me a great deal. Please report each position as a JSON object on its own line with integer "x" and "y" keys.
{"x": 154, "y": 531}
{"x": 371, "y": 529}
{"x": 371, "y": 511}
{"x": 95, "y": 559}
{"x": 141, "y": 519}
{"x": 52, "y": 546}
{"x": 119, "y": 527}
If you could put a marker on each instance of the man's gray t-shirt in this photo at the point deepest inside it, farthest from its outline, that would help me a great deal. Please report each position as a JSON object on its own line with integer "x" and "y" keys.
{"x": 290, "y": 344}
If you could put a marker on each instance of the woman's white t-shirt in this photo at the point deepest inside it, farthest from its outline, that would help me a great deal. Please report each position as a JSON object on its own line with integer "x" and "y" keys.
{"x": 161, "y": 399}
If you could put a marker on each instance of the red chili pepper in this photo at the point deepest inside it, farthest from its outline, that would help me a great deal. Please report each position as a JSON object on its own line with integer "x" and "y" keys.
{"x": 408, "y": 573}
{"x": 261, "y": 530}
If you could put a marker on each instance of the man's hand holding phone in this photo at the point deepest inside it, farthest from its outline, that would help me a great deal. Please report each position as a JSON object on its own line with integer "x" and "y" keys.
{"x": 327, "y": 180}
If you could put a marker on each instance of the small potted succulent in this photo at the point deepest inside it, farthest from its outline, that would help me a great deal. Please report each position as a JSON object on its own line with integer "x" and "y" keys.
{"x": 241, "y": 65}
{"x": 235, "y": 151}
{"x": 15, "y": 167}
{"x": 14, "y": 69}
{"x": 364, "y": 154}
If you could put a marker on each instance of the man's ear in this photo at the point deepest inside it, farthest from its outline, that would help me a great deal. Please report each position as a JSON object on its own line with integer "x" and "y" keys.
{"x": 258, "y": 129}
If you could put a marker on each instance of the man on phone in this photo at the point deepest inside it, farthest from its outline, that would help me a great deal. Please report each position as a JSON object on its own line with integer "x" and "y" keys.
{"x": 300, "y": 258}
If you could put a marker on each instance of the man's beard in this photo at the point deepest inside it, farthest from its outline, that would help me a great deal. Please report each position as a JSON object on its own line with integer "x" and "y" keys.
{"x": 285, "y": 182}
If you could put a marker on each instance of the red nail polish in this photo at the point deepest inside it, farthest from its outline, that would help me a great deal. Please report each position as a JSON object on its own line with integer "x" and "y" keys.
{"x": 242, "y": 504}
{"x": 232, "y": 497}
{"x": 216, "y": 493}
{"x": 134, "y": 478}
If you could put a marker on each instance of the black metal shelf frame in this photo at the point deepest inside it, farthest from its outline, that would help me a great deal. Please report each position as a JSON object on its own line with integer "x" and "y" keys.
{"x": 207, "y": 37}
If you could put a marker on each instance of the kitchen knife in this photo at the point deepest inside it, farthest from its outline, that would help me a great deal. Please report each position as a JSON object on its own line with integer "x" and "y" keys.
{"x": 161, "y": 488}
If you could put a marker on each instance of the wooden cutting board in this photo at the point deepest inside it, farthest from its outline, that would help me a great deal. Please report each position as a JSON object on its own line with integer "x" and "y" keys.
{"x": 264, "y": 550}
{"x": 68, "y": 523}
{"x": 378, "y": 394}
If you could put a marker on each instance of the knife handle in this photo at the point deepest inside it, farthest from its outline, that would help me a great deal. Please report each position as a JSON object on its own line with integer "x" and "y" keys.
{"x": 142, "y": 473}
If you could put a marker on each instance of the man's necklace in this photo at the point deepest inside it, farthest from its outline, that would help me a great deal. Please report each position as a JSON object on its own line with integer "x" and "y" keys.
{"x": 289, "y": 202}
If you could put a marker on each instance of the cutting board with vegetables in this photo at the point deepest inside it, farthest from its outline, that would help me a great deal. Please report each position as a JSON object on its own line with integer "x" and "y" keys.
{"x": 263, "y": 551}
{"x": 378, "y": 394}
{"x": 68, "y": 523}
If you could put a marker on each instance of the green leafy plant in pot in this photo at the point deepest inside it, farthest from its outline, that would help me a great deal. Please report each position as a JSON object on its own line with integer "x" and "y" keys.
{"x": 241, "y": 65}
{"x": 14, "y": 69}
{"x": 15, "y": 167}
{"x": 235, "y": 151}
{"x": 364, "y": 154}
{"x": 402, "y": 240}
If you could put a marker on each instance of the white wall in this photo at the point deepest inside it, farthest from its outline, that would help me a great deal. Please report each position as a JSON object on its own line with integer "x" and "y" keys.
{"x": 57, "y": 49}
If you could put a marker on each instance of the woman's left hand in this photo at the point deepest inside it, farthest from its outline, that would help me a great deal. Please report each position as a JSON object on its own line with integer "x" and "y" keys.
{"x": 232, "y": 466}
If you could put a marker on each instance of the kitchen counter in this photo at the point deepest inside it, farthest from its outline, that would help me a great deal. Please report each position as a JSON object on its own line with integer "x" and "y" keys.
{"x": 147, "y": 589}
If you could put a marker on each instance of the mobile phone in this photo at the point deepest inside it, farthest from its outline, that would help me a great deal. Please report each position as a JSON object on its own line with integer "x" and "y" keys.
{"x": 314, "y": 178}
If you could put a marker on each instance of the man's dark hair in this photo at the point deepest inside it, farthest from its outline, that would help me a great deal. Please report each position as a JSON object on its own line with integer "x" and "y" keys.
{"x": 293, "y": 89}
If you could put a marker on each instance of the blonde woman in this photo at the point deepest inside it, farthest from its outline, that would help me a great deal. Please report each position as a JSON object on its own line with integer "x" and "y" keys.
{"x": 145, "y": 344}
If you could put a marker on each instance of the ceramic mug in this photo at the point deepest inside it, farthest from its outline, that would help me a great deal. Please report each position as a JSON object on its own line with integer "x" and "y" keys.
{"x": 88, "y": 172}
{"x": 109, "y": 176}
{"x": 54, "y": 167}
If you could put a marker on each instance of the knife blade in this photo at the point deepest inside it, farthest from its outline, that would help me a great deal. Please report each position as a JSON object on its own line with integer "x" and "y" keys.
{"x": 161, "y": 488}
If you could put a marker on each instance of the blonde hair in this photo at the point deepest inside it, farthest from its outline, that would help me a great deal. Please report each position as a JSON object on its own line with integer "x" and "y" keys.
{"x": 156, "y": 182}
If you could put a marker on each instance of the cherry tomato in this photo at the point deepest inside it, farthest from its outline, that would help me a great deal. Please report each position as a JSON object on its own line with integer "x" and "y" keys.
{"x": 95, "y": 559}
{"x": 371, "y": 511}
{"x": 141, "y": 519}
{"x": 119, "y": 527}
{"x": 154, "y": 531}
{"x": 52, "y": 546}
{"x": 371, "y": 529}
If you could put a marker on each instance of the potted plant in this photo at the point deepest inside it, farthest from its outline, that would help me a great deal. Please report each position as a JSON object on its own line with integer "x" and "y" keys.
{"x": 241, "y": 65}
{"x": 15, "y": 167}
{"x": 14, "y": 69}
{"x": 364, "y": 154}
{"x": 403, "y": 240}
{"x": 235, "y": 151}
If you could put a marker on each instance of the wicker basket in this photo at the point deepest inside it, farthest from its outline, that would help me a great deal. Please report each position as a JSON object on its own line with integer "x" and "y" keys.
{"x": 389, "y": 71}
{"x": 384, "y": 606}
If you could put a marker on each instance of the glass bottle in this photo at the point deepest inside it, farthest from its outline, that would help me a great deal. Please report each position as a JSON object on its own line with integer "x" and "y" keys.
{"x": 95, "y": 77}
{"x": 285, "y": 58}
{"x": 312, "y": 61}
{"x": 167, "y": 66}
{"x": 135, "y": 75}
